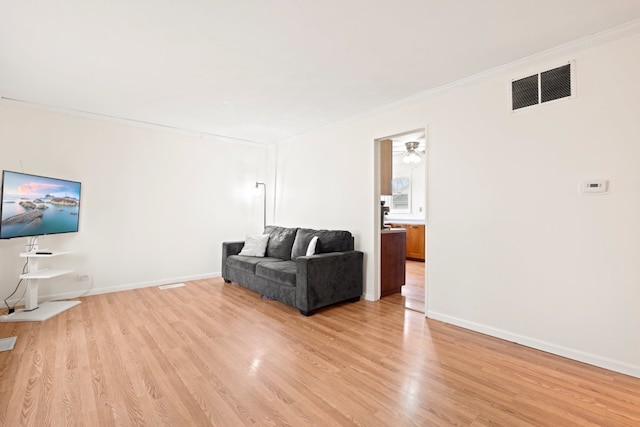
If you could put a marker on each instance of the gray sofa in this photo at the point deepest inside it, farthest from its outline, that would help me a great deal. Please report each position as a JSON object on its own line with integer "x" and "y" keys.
{"x": 332, "y": 275}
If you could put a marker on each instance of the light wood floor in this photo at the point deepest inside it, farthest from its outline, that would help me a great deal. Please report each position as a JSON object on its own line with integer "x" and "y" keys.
{"x": 215, "y": 354}
{"x": 412, "y": 294}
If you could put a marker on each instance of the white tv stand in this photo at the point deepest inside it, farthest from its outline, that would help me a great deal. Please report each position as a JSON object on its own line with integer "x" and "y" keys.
{"x": 33, "y": 312}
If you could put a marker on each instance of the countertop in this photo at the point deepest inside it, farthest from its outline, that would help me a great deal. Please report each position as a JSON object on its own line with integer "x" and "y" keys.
{"x": 404, "y": 221}
{"x": 393, "y": 230}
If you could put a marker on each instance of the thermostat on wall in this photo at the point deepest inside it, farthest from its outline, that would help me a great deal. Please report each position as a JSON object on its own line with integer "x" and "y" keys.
{"x": 594, "y": 186}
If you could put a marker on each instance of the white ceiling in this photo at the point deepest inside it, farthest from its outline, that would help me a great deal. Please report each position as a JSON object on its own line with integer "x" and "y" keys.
{"x": 266, "y": 70}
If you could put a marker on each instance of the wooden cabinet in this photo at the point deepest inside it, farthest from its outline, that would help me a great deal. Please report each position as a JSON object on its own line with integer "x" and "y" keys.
{"x": 415, "y": 240}
{"x": 392, "y": 261}
{"x": 386, "y": 166}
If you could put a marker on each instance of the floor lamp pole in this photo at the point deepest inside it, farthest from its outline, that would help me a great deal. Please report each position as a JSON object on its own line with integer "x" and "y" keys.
{"x": 264, "y": 203}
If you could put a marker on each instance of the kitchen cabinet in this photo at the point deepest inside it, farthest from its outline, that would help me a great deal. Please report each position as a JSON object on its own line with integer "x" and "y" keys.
{"x": 386, "y": 166}
{"x": 392, "y": 261}
{"x": 415, "y": 240}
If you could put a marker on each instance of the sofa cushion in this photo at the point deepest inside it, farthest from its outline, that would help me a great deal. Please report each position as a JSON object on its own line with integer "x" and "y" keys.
{"x": 301, "y": 242}
{"x": 280, "y": 241}
{"x": 247, "y": 263}
{"x": 281, "y": 272}
{"x": 255, "y": 245}
{"x": 333, "y": 241}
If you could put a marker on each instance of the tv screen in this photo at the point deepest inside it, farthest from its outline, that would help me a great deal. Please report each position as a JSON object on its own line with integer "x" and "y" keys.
{"x": 37, "y": 205}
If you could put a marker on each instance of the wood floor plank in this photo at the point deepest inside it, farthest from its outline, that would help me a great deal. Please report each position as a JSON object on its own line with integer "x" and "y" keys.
{"x": 216, "y": 354}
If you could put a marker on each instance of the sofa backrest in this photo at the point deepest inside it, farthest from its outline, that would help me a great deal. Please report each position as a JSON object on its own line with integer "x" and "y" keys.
{"x": 290, "y": 243}
{"x": 333, "y": 241}
{"x": 328, "y": 241}
{"x": 280, "y": 241}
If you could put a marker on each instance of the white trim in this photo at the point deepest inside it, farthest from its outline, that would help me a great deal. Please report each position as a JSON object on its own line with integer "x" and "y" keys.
{"x": 549, "y": 55}
{"x": 127, "y": 121}
{"x": 427, "y": 214}
{"x": 606, "y": 36}
{"x": 131, "y": 286}
{"x": 119, "y": 288}
{"x": 570, "y": 353}
{"x": 369, "y": 296}
{"x": 374, "y": 294}
{"x": 564, "y": 50}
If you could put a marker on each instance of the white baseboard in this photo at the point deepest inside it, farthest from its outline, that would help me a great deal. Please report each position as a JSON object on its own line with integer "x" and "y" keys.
{"x": 580, "y": 356}
{"x": 119, "y": 288}
{"x": 130, "y": 286}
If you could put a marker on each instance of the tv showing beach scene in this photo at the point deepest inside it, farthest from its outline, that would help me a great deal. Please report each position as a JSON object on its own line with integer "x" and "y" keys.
{"x": 35, "y": 205}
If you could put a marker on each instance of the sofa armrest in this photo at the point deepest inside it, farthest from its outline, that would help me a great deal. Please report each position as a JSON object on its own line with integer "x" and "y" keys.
{"x": 230, "y": 248}
{"x": 329, "y": 278}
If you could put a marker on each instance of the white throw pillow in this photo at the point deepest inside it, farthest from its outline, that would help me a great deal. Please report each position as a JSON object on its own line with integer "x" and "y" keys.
{"x": 255, "y": 245}
{"x": 311, "y": 249}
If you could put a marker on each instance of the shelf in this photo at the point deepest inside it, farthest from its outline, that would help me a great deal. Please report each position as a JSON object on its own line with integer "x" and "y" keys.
{"x": 35, "y": 255}
{"x": 33, "y": 311}
{"x": 43, "y": 312}
{"x": 45, "y": 274}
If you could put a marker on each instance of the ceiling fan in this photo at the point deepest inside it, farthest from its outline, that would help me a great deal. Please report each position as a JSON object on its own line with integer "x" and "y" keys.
{"x": 412, "y": 154}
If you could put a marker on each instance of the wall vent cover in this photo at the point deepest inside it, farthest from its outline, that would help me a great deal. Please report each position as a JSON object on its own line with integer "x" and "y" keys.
{"x": 542, "y": 87}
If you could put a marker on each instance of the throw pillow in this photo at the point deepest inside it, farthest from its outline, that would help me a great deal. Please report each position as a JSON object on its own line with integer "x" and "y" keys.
{"x": 311, "y": 249}
{"x": 301, "y": 242}
{"x": 255, "y": 245}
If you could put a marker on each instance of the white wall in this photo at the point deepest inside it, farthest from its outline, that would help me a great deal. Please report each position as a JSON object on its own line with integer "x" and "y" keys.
{"x": 513, "y": 249}
{"x": 156, "y": 205}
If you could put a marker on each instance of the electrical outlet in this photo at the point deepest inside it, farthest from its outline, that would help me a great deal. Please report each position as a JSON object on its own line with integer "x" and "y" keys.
{"x": 82, "y": 277}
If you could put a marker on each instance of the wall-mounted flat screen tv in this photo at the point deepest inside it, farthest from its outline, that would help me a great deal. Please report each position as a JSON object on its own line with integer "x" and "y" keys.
{"x": 35, "y": 205}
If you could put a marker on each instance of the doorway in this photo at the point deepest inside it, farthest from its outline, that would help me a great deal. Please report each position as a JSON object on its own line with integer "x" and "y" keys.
{"x": 406, "y": 200}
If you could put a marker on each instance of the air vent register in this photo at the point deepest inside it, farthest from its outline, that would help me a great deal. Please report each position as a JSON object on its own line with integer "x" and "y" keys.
{"x": 542, "y": 87}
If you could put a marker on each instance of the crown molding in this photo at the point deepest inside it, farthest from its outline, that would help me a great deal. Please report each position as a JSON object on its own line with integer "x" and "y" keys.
{"x": 612, "y": 34}
{"x": 128, "y": 122}
{"x": 615, "y": 33}
{"x": 621, "y": 31}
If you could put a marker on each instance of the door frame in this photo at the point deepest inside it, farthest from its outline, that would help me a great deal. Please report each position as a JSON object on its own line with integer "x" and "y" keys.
{"x": 376, "y": 210}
